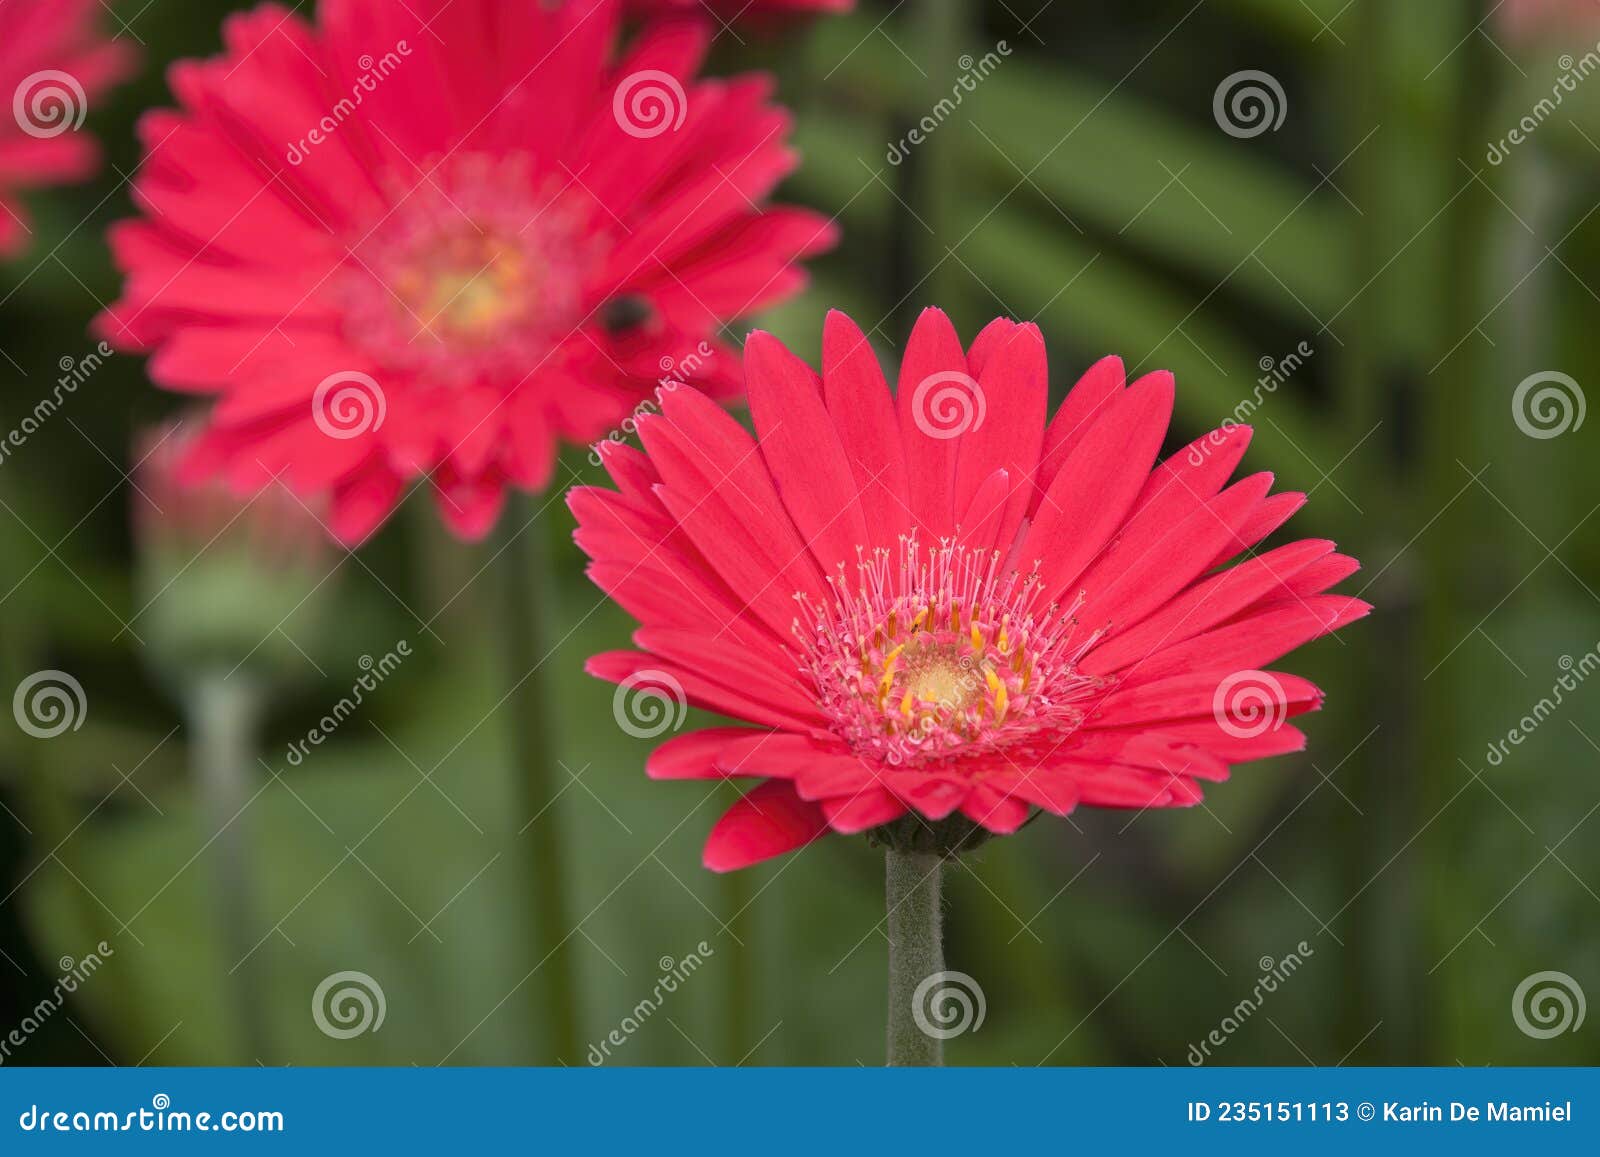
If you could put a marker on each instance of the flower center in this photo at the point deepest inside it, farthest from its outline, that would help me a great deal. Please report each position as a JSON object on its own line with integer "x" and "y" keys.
{"x": 472, "y": 289}
{"x": 938, "y": 655}
{"x": 474, "y": 275}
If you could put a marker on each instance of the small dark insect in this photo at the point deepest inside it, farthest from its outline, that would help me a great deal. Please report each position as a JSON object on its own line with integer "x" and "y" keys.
{"x": 622, "y": 314}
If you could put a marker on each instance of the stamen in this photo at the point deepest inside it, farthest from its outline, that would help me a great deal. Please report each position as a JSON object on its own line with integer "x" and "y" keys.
{"x": 931, "y": 657}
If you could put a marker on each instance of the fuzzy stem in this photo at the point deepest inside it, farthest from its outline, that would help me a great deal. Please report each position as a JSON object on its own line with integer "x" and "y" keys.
{"x": 224, "y": 715}
{"x": 526, "y": 585}
{"x": 916, "y": 951}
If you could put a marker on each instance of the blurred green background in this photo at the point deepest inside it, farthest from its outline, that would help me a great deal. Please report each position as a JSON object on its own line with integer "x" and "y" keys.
{"x": 1086, "y": 182}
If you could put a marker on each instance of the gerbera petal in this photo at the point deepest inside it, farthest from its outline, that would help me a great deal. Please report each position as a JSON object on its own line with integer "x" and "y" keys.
{"x": 1268, "y": 517}
{"x": 1014, "y": 385}
{"x": 767, "y": 822}
{"x": 992, "y": 809}
{"x": 800, "y": 448}
{"x": 1197, "y": 694}
{"x": 863, "y": 809}
{"x": 694, "y": 756}
{"x": 1042, "y": 787}
{"x": 39, "y": 44}
{"x": 934, "y": 368}
{"x": 1155, "y": 567}
{"x": 1085, "y": 404}
{"x": 1097, "y": 483}
{"x": 1205, "y": 604}
{"x": 733, "y": 667}
{"x": 1257, "y": 639}
{"x": 863, "y": 413}
{"x": 639, "y": 669}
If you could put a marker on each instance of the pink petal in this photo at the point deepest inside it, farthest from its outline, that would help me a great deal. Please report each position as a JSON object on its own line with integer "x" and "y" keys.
{"x": 769, "y": 821}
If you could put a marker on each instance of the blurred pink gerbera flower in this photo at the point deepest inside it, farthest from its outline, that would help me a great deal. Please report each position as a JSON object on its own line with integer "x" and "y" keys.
{"x": 727, "y": 11}
{"x": 938, "y": 612}
{"x": 1561, "y": 20}
{"x": 432, "y": 239}
{"x": 53, "y": 62}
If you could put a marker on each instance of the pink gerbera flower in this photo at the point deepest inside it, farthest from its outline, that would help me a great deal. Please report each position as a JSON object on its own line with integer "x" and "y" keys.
{"x": 939, "y": 613}
{"x": 431, "y": 239}
{"x": 731, "y": 10}
{"x": 1529, "y": 20}
{"x": 53, "y": 62}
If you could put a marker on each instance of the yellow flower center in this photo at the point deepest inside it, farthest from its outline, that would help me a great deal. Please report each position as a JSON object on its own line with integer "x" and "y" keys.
{"x": 472, "y": 291}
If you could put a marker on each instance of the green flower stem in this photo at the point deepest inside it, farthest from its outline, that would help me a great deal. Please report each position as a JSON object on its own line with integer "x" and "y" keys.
{"x": 916, "y": 951}
{"x": 739, "y": 994}
{"x": 527, "y": 585}
{"x": 224, "y": 715}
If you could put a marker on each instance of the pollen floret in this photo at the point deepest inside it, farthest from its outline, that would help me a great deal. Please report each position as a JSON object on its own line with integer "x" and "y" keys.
{"x": 933, "y": 654}
{"x": 476, "y": 273}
